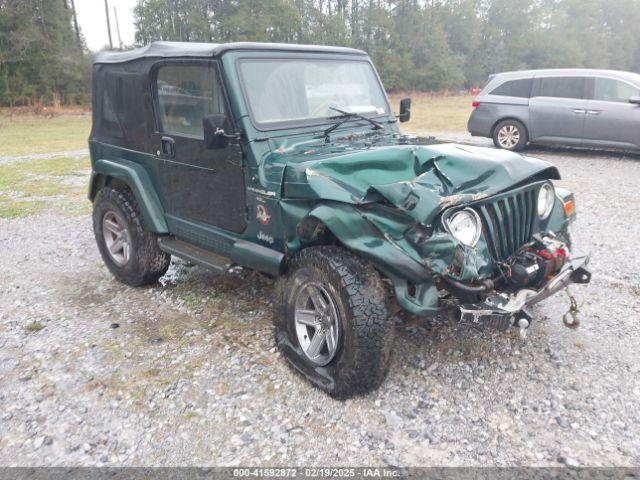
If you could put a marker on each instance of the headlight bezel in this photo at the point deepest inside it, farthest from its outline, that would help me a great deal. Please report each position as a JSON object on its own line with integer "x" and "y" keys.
{"x": 471, "y": 214}
{"x": 551, "y": 198}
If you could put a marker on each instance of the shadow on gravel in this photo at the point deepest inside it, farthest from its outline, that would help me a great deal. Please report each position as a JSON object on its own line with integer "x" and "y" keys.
{"x": 237, "y": 306}
{"x": 443, "y": 339}
{"x": 172, "y": 331}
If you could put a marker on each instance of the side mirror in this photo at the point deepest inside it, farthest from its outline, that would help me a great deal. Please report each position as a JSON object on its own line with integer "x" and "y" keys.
{"x": 405, "y": 110}
{"x": 635, "y": 100}
{"x": 216, "y": 131}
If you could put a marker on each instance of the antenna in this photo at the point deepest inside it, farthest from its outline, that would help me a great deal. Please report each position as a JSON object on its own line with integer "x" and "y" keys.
{"x": 106, "y": 9}
{"x": 115, "y": 16}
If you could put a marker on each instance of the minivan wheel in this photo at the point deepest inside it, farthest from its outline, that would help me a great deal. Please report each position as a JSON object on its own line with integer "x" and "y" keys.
{"x": 331, "y": 318}
{"x": 510, "y": 135}
{"x": 129, "y": 251}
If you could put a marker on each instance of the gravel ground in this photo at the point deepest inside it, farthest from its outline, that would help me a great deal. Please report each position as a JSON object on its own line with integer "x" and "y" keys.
{"x": 190, "y": 376}
{"x": 45, "y": 156}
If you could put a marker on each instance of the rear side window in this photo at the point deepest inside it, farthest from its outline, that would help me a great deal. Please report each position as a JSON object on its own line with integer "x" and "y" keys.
{"x": 562, "y": 87}
{"x": 186, "y": 94}
{"x": 514, "y": 88}
{"x": 609, "y": 90}
{"x": 119, "y": 101}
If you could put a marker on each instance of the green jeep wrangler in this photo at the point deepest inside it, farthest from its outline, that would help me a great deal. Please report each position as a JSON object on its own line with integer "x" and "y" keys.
{"x": 288, "y": 159}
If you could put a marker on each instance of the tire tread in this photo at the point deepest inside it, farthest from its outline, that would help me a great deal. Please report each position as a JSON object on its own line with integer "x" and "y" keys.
{"x": 368, "y": 308}
{"x": 151, "y": 262}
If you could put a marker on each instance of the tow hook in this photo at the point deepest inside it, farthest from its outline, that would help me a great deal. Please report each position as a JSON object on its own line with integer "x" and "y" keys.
{"x": 523, "y": 322}
{"x": 570, "y": 319}
{"x": 523, "y": 326}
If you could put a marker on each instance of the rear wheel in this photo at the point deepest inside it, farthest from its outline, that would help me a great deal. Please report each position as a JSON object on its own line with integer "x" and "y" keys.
{"x": 510, "y": 135}
{"x": 130, "y": 252}
{"x": 332, "y": 324}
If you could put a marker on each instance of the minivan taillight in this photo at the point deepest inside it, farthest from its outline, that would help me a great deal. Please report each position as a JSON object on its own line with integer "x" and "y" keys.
{"x": 475, "y": 103}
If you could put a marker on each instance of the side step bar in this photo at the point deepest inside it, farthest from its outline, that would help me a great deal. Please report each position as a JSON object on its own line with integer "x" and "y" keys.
{"x": 194, "y": 254}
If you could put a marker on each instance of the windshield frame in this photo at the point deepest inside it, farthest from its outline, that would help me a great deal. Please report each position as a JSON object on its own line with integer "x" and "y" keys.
{"x": 312, "y": 122}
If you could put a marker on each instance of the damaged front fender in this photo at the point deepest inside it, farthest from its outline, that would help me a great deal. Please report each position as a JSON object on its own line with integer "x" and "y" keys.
{"x": 409, "y": 256}
{"x": 446, "y": 256}
{"x": 379, "y": 237}
{"x": 364, "y": 234}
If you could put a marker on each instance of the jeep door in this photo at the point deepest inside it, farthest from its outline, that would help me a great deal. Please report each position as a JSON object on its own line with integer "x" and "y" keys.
{"x": 557, "y": 109}
{"x": 199, "y": 186}
{"x": 611, "y": 120}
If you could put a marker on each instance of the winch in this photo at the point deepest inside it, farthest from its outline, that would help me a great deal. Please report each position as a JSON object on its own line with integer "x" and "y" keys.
{"x": 536, "y": 263}
{"x": 538, "y": 270}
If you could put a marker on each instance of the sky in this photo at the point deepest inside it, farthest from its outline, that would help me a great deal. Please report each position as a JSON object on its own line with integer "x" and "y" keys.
{"x": 93, "y": 22}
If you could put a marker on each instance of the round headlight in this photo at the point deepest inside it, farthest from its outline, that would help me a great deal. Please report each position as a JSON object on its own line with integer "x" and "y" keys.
{"x": 465, "y": 226}
{"x": 546, "y": 199}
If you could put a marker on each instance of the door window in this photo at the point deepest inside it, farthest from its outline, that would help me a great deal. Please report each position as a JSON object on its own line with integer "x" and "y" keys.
{"x": 186, "y": 94}
{"x": 609, "y": 90}
{"x": 562, "y": 87}
{"x": 514, "y": 88}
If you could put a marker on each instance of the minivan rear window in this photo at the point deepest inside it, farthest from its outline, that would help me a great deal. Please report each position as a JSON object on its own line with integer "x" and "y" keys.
{"x": 562, "y": 87}
{"x": 514, "y": 88}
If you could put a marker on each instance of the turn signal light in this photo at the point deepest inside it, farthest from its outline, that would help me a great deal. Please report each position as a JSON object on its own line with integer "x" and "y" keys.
{"x": 569, "y": 208}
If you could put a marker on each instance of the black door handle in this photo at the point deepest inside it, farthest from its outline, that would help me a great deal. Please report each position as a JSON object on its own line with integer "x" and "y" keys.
{"x": 168, "y": 147}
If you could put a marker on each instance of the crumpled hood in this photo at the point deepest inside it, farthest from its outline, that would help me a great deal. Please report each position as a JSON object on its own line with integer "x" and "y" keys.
{"x": 421, "y": 180}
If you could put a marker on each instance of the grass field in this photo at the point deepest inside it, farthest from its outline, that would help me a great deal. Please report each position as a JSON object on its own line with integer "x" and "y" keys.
{"x": 32, "y": 186}
{"x": 35, "y": 186}
{"x": 435, "y": 113}
{"x": 29, "y": 134}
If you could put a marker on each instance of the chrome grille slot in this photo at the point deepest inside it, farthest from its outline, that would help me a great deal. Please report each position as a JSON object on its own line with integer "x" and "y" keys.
{"x": 507, "y": 222}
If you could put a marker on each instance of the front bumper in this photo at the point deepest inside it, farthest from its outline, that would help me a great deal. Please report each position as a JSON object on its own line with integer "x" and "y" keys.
{"x": 502, "y": 310}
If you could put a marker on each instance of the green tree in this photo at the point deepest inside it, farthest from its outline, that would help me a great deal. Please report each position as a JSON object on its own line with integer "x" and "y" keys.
{"x": 40, "y": 58}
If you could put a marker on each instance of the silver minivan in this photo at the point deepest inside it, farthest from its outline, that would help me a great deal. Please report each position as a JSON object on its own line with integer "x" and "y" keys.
{"x": 576, "y": 107}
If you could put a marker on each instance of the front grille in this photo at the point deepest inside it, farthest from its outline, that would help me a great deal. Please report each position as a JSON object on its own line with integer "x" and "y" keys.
{"x": 507, "y": 221}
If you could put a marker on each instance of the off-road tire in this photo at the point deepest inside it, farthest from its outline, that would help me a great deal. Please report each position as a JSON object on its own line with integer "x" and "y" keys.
{"x": 522, "y": 132}
{"x": 147, "y": 262}
{"x": 362, "y": 359}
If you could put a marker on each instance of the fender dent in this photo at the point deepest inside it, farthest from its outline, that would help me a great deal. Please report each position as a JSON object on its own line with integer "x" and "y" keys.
{"x": 445, "y": 255}
{"x": 362, "y": 232}
{"x": 358, "y": 233}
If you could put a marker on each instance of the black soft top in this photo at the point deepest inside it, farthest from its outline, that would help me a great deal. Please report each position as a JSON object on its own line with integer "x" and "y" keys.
{"x": 193, "y": 49}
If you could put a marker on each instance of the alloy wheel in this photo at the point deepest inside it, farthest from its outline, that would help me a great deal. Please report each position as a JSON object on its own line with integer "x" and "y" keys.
{"x": 116, "y": 237}
{"x": 317, "y": 323}
{"x": 508, "y": 136}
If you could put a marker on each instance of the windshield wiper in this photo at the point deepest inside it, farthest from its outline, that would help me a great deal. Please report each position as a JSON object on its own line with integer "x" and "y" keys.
{"x": 346, "y": 116}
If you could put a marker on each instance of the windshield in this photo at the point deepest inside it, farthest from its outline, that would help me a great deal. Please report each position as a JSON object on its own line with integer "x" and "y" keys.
{"x": 302, "y": 91}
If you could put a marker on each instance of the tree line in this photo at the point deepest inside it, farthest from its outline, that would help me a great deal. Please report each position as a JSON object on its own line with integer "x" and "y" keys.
{"x": 419, "y": 45}
{"x": 415, "y": 44}
{"x": 43, "y": 59}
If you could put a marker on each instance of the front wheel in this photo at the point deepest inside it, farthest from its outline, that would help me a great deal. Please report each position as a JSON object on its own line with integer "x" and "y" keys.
{"x": 332, "y": 324}
{"x": 510, "y": 135}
